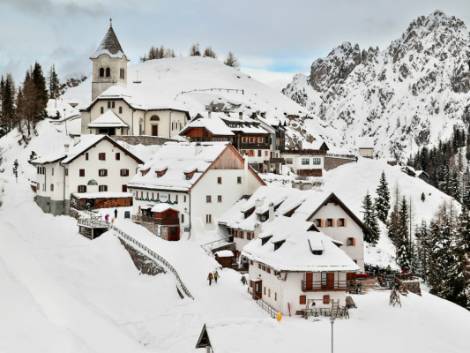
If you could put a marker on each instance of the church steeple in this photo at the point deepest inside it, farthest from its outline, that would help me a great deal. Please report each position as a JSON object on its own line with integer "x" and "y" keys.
{"x": 109, "y": 63}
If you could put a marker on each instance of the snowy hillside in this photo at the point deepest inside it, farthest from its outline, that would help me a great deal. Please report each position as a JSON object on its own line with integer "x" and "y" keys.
{"x": 410, "y": 94}
{"x": 193, "y": 83}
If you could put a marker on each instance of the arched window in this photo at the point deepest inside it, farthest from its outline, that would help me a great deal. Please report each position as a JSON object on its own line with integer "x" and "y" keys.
{"x": 120, "y": 110}
{"x": 122, "y": 74}
{"x": 101, "y": 72}
{"x": 108, "y": 72}
{"x": 154, "y": 118}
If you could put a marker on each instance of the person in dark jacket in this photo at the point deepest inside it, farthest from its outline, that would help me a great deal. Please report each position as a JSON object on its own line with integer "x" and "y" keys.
{"x": 216, "y": 276}
{"x": 115, "y": 213}
{"x": 210, "y": 277}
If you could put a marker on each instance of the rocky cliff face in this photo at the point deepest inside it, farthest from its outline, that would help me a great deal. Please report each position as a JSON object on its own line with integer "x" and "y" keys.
{"x": 412, "y": 93}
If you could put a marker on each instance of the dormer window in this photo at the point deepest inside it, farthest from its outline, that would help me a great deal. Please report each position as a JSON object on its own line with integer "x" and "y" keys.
{"x": 264, "y": 240}
{"x": 278, "y": 244}
{"x": 160, "y": 172}
{"x": 144, "y": 172}
{"x": 189, "y": 173}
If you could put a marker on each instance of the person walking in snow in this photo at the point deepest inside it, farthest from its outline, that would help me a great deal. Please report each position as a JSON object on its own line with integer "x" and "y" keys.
{"x": 216, "y": 276}
{"x": 243, "y": 279}
{"x": 209, "y": 278}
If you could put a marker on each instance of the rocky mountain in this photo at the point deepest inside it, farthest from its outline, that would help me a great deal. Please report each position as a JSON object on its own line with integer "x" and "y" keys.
{"x": 410, "y": 94}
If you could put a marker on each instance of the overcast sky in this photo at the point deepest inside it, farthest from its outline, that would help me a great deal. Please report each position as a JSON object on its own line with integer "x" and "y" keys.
{"x": 273, "y": 39}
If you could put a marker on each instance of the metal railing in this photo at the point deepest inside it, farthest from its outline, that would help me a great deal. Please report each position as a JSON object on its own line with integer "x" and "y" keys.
{"x": 318, "y": 286}
{"x": 153, "y": 255}
{"x": 92, "y": 223}
{"x": 207, "y": 247}
{"x": 266, "y": 307}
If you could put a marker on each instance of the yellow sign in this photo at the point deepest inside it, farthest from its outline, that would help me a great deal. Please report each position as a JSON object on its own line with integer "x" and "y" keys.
{"x": 279, "y": 316}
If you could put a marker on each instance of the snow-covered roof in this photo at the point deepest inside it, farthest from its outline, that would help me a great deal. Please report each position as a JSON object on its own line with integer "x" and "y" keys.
{"x": 161, "y": 207}
{"x": 178, "y": 157}
{"x": 292, "y": 247}
{"x": 101, "y": 195}
{"x": 107, "y": 119}
{"x": 213, "y": 124}
{"x": 109, "y": 46}
{"x": 224, "y": 253}
{"x": 85, "y": 142}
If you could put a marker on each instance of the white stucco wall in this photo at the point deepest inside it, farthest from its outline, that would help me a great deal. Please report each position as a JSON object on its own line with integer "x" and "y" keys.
{"x": 100, "y": 84}
{"x": 297, "y": 161}
{"x": 351, "y": 229}
{"x": 54, "y": 175}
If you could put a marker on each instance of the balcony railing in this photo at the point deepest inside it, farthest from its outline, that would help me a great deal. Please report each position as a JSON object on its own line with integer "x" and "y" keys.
{"x": 316, "y": 286}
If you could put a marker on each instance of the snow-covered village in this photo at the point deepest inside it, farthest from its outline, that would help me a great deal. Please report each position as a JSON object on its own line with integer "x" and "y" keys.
{"x": 243, "y": 177}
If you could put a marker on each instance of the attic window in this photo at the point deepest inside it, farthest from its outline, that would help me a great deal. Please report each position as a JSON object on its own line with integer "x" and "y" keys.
{"x": 264, "y": 240}
{"x": 144, "y": 171}
{"x": 160, "y": 172}
{"x": 189, "y": 173}
{"x": 278, "y": 244}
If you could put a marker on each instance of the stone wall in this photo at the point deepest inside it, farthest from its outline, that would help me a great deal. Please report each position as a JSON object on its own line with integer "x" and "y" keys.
{"x": 141, "y": 140}
{"x": 144, "y": 264}
{"x": 334, "y": 162}
{"x": 51, "y": 206}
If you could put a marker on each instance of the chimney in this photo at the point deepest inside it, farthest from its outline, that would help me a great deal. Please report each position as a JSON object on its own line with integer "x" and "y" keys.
{"x": 257, "y": 230}
{"x": 240, "y": 115}
{"x": 271, "y": 212}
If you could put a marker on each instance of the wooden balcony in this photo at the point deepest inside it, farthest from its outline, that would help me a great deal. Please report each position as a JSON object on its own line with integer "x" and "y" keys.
{"x": 317, "y": 286}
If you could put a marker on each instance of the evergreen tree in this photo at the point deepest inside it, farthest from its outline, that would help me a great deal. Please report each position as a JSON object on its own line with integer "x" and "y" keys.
{"x": 453, "y": 188}
{"x": 194, "y": 50}
{"x": 208, "y": 52}
{"x": 404, "y": 253}
{"x": 370, "y": 220}
{"x": 382, "y": 201}
{"x": 231, "y": 60}
{"x": 54, "y": 84}
{"x": 7, "y": 102}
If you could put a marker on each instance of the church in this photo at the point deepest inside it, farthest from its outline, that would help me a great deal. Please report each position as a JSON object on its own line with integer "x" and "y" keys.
{"x": 123, "y": 107}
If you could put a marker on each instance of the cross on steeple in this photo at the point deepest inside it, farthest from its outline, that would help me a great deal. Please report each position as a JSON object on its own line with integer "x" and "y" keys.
{"x": 110, "y": 22}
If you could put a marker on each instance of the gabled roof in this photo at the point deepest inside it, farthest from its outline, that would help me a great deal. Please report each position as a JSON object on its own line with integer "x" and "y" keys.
{"x": 107, "y": 119}
{"x": 293, "y": 247}
{"x": 88, "y": 141}
{"x": 213, "y": 125}
{"x": 109, "y": 45}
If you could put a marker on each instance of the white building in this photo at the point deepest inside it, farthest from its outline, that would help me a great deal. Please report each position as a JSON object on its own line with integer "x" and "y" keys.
{"x": 190, "y": 184}
{"x": 248, "y": 217}
{"x": 122, "y": 107}
{"x": 307, "y": 162}
{"x": 95, "y": 165}
{"x": 293, "y": 266}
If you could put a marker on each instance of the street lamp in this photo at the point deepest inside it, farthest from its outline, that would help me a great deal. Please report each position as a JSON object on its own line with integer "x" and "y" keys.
{"x": 332, "y": 321}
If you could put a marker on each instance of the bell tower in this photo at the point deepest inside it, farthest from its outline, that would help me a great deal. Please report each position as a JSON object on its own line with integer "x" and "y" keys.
{"x": 109, "y": 64}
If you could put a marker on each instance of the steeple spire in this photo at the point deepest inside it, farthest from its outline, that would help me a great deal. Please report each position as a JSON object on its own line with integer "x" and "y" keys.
{"x": 110, "y": 44}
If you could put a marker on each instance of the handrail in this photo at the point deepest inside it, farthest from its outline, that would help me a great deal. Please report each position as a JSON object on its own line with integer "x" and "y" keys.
{"x": 266, "y": 307}
{"x": 138, "y": 245}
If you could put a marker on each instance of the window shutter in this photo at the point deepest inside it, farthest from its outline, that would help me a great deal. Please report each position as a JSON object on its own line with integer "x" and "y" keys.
{"x": 302, "y": 299}
{"x": 326, "y": 299}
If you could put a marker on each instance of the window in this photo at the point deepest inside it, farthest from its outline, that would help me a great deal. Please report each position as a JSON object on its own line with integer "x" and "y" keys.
{"x": 264, "y": 290}
{"x": 305, "y": 161}
{"x": 102, "y": 156}
{"x": 86, "y": 156}
{"x": 239, "y": 180}
{"x": 275, "y": 296}
{"x": 208, "y": 199}
{"x": 113, "y": 104}
{"x": 127, "y": 214}
{"x": 260, "y": 139}
{"x": 318, "y": 222}
{"x": 219, "y": 180}
{"x": 66, "y": 172}
{"x": 52, "y": 187}
{"x": 103, "y": 172}
{"x": 323, "y": 279}
{"x": 184, "y": 198}
{"x": 101, "y": 72}
{"x": 302, "y": 299}
{"x": 260, "y": 153}
{"x": 154, "y": 118}
{"x": 316, "y": 161}
{"x": 208, "y": 218}
{"x": 219, "y": 198}
{"x": 118, "y": 156}
{"x": 122, "y": 74}
{"x": 329, "y": 222}
{"x": 340, "y": 222}
{"x": 350, "y": 241}
{"x": 326, "y": 299}
{"x": 109, "y": 104}
{"x": 124, "y": 188}
{"x": 102, "y": 110}
{"x": 269, "y": 292}
{"x": 52, "y": 172}
{"x": 81, "y": 188}
{"x": 120, "y": 110}
{"x": 182, "y": 218}
{"x": 108, "y": 72}
{"x": 103, "y": 188}
{"x": 289, "y": 161}
{"x": 81, "y": 172}
{"x": 124, "y": 172}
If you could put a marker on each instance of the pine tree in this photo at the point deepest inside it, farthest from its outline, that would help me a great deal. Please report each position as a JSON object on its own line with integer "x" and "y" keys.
{"x": 382, "y": 201}
{"x": 370, "y": 220}
{"x": 54, "y": 84}
{"x": 231, "y": 60}
{"x": 194, "y": 50}
{"x": 208, "y": 52}
{"x": 422, "y": 250}
{"x": 403, "y": 244}
{"x": 453, "y": 188}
